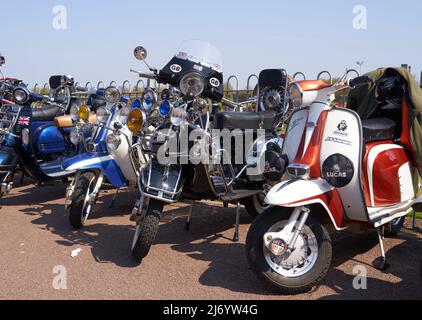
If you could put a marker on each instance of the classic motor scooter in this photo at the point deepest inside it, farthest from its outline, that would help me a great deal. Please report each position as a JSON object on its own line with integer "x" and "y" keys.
{"x": 342, "y": 171}
{"x": 107, "y": 142}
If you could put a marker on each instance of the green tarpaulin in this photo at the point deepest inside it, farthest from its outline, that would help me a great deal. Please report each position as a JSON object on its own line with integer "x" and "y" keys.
{"x": 364, "y": 101}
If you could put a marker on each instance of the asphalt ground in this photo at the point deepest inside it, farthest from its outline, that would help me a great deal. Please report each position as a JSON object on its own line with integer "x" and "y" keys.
{"x": 37, "y": 241}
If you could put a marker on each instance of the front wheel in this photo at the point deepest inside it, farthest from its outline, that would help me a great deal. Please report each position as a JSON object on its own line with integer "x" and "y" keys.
{"x": 295, "y": 272}
{"x": 80, "y": 207}
{"x": 147, "y": 230}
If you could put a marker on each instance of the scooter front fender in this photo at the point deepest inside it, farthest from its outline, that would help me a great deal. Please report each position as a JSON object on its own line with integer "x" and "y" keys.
{"x": 102, "y": 162}
{"x": 299, "y": 193}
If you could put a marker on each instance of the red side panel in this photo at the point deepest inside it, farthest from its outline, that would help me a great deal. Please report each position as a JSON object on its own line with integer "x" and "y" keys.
{"x": 385, "y": 176}
{"x": 405, "y": 138}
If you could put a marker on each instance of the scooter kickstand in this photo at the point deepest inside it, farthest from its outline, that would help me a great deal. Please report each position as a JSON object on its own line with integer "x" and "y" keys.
{"x": 187, "y": 225}
{"x": 236, "y": 226}
{"x": 382, "y": 264}
{"x": 113, "y": 201}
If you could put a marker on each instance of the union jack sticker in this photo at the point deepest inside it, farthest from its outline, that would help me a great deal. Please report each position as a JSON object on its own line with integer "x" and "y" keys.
{"x": 24, "y": 121}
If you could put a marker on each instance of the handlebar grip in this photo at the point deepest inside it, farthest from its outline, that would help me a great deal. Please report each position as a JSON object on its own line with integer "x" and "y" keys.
{"x": 359, "y": 81}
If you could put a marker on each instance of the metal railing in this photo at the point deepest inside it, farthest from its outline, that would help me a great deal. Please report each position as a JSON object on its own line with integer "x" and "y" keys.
{"x": 232, "y": 88}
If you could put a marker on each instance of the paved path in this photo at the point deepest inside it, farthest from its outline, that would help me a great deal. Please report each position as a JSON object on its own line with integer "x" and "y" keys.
{"x": 203, "y": 264}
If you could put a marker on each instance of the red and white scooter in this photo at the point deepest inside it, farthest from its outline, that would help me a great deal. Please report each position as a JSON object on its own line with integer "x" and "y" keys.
{"x": 343, "y": 172}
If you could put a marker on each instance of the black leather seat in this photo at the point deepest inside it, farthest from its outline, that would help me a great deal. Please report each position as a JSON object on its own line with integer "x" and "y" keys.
{"x": 245, "y": 120}
{"x": 47, "y": 113}
{"x": 379, "y": 129}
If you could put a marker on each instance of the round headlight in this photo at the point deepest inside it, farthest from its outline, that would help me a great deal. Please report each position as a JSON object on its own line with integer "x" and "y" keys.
{"x": 112, "y": 95}
{"x": 113, "y": 142}
{"x": 124, "y": 114}
{"x": 296, "y": 95}
{"x": 192, "y": 84}
{"x": 25, "y": 136}
{"x": 103, "y": 115}
{"x": 74, "y": 137}
{"x": 135, "y": 120}
{"x": 74, "y": 113}
{"x": 165, "y": 108}
{"x": 84, "y": 112}
{"x": 149, "y": 99}
{"x": 178, "y": 116}
{"x": 20, "y": 96}
{"x": 134, "y": 104}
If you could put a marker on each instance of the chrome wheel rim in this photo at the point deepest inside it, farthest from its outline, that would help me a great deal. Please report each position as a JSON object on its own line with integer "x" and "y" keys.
{"x": 300, "y": 261}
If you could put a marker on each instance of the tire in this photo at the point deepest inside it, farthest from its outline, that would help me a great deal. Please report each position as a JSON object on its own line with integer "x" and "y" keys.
{"x": 394, "y": 227}
{"x": 253, "y": 206}
{"x": 84, "y": 186}
{"x": 313, "y": 273}
{"x": 147, "y": 230}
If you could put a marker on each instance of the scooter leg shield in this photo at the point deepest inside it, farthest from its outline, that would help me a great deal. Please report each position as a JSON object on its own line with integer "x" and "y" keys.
{"x": 8, "y": 159}
{"x": 104, "y": 163}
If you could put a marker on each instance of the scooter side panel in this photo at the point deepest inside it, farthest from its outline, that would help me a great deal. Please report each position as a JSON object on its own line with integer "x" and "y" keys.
{"x": 102, "y": 162}
{"x": 341, "y": 160}
{"x": 49, "y": 139}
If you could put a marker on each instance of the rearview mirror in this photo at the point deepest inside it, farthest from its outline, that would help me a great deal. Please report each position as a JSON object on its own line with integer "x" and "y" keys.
{"x": 58, "y": 81}
{"x": 140, "y": 53}
{"x": 2, "y": 60}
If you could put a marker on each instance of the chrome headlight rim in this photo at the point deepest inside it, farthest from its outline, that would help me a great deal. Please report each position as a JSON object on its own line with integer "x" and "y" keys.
{"x": 178, "y": 117}
{"x": 112, "y": 95}
{"x": 296, "y": 95}
{"x": 22, "y": 99}
{"x": 149, "y": 94}
{"x": 74, "y": 113}
{"x": 113, "y": 142}
{"x": 75, "y": 137}
{"x": 103, "y": 115}
{"x": 187, "y": 89}
{"x": 124, "y": 115}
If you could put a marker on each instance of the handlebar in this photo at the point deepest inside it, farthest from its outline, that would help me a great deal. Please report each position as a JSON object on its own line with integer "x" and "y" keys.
{"x": 150, "y": 76}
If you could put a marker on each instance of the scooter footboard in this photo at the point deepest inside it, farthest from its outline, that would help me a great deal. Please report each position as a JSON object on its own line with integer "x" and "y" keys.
{"x": 104, "y": 163}
{"x": 293, "y": 194}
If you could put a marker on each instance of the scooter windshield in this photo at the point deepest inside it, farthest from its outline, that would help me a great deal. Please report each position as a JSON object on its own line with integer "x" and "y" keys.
{"x": 201, "y": 52}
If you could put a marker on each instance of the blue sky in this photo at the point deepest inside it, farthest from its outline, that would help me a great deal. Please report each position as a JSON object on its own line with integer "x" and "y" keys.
{"x": 305, "y": 35}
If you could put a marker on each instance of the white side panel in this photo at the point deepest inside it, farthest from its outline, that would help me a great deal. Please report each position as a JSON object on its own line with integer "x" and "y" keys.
{"x": 343, "y": 135}
{"x": 406, "y": 182}
{"x": 294, "y": 133}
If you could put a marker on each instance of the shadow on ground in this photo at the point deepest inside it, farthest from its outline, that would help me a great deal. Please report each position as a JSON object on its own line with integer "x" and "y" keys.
{"x": 209, "y": 241}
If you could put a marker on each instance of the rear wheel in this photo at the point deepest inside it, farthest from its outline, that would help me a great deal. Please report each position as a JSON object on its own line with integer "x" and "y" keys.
{"x": 295, "y": 272}
{"x": 80, "y": 206}
{"x": 394, "y": 227}
{"x": 255, "y": 205}
{"x": 147, "y": 230}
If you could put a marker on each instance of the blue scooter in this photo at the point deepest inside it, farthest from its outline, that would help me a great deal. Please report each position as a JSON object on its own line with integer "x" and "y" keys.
{"x": 36, "y": 131}
{"x": 107, "y": 155}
